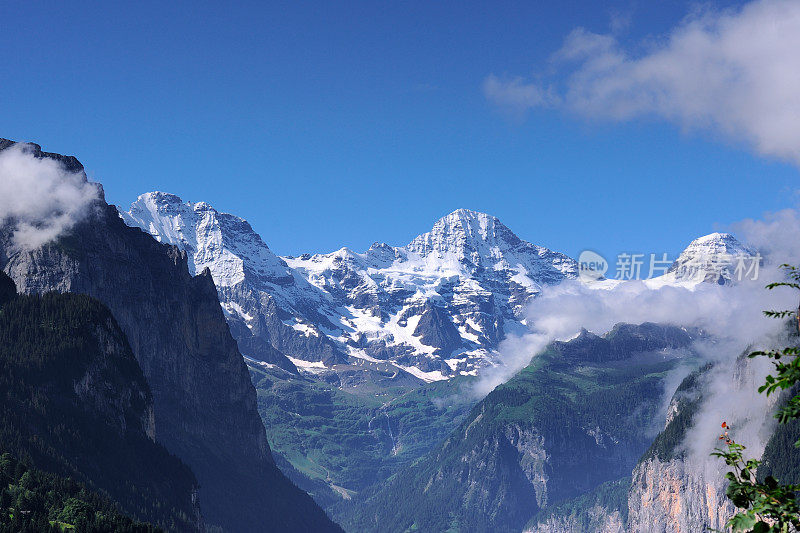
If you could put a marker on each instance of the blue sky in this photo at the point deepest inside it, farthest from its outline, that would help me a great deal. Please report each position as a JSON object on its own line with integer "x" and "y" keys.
{"x": 328, "y": 124}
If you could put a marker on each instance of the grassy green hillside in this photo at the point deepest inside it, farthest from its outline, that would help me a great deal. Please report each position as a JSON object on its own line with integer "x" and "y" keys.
{"x": 579, "y": 415}
{"x": 352, "y": 437}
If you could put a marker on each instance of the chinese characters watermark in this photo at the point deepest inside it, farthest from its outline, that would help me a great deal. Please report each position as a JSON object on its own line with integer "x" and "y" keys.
{"x": 710, "y": 267}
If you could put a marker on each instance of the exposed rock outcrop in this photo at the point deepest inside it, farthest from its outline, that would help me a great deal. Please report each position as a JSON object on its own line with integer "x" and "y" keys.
{"x": 677, "y": 486}
{"x": 204, "y": 403}
{"x": 600, "y": 520}
{"x": 677, "y": 497}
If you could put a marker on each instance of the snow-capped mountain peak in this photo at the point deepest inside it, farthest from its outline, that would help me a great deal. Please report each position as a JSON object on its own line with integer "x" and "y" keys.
{"x": 224, "y": 243}
{"x": 465, "y": 233}
{"x": 479, "y": 241}
{"x": 716, "y": 243}
{"x": 436, "y": 307}
{"x": 266, "y": 302}
{"x": 713, "y": 258}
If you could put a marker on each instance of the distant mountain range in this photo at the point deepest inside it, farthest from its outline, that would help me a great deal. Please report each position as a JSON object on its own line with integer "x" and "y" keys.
{"x": 436, "y": 308}
{"x": 151, "y": 393}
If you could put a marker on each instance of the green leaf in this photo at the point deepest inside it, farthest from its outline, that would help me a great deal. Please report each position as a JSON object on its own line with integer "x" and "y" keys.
{"x": 783, "y": 284}
{"x": 742, "y": 522}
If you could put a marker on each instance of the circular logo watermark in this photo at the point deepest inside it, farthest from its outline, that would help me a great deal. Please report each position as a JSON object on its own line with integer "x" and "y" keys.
{"x": 591, "y": 266}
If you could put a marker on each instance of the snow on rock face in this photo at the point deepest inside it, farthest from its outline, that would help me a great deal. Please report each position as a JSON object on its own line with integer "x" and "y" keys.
{"x": 714, "y": 258}
{"x": 478, "y": 241}
{"x": 225, "y": 244}
{"x": 439, "y": 306}
{"x": 465, "y": 234}
{"x": 258, "y": 291}
{"x": 469, "y": 268}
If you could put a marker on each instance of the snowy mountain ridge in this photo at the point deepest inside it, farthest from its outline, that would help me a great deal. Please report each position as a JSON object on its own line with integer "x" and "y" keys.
{"x": 435, "y": 307}
{"x": 223, "y": 243}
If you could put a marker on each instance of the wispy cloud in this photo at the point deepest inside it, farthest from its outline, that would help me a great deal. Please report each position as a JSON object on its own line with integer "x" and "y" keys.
{"x": 775, "y": 233}
{"x": 39, "y": 198}
{"x": 731, "y": 316}
{"x": 516, "y": 95}
{"x": 733, "y": 313}
{"x": 732, "y": 72}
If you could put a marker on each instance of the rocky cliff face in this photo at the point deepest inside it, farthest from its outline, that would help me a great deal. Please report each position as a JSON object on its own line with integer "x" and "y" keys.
{"x": 102, "y": 388}
{"x": 677, "y": 496}
{"x": 600, "y": 520}
{"x": 204, "y": 404}
{"x": 677, "y": 486}
{"x": 673, "y": 496}
{"x": 268, "y": 305}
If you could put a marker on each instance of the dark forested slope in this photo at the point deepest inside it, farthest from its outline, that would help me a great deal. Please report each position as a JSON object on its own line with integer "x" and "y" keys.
{"x": 74, "y": 402}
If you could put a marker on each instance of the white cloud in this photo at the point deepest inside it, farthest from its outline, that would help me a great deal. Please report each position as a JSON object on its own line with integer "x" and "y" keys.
{"x": 733, "y": 72}
{"x": 776, "y": 233}
{"x": 514, "y": 95}
{"x": 732, "y": 316}
{"x": 39, "y": 197}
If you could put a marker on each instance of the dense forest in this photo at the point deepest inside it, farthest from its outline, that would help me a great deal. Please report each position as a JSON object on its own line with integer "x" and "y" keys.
{"x": 35, "y": 501}
{"x": 76, "y": 405}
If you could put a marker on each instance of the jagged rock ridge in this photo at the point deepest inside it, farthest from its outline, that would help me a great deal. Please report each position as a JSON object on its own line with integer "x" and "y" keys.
{"x": 436, "y": 307}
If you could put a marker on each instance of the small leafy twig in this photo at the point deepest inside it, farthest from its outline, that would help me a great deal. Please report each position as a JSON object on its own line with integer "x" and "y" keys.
{"x": 767, "y": 506}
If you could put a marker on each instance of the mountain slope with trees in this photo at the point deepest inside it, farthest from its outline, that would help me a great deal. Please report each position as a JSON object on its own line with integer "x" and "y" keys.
{"x": 204, "y": 404}
{"x": 76, "y": 404}
{"x": 578, "y": 416}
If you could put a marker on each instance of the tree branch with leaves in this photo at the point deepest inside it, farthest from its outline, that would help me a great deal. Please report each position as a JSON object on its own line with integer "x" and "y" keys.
{"x": 767, "y": 506}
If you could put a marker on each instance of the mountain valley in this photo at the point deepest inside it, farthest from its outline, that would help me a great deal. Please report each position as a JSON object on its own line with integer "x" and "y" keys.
{"x": 232, "y": 389}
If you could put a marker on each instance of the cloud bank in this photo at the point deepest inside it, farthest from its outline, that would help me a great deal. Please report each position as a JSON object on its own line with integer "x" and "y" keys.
{"x": 775, "y": 234}
{"x": 733, "y": 72}
{"x": 731, "y": 315}
{"x": 39, "y": 197}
